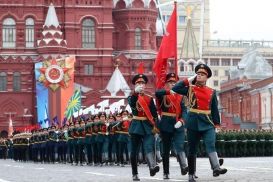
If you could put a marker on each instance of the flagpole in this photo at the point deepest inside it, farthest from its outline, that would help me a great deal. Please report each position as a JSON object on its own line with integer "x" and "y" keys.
{"x": 175, "y": 58}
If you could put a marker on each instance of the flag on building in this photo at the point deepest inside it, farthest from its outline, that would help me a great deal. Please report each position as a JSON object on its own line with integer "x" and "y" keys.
{"x": 10, "y": 126}
{"x": 168, "y": 49}
{"x": 74, "y": 104}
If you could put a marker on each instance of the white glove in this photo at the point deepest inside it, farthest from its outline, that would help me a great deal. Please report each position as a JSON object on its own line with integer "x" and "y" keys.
{"x": 172, "y": 92}
{"x": 178, "y": 124}
{"x": 217, "y": 130}
{"x": 138, "y": 89}
{"x": 190, "y": 79}
{"x": 125, "y": 118}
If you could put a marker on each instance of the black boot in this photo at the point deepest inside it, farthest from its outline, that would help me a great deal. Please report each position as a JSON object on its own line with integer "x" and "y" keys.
{"x": 136, "y": 178}
{"x": 181, "y": 156}
{"x": 152, "y": 164}
{"x": 134, "y": 168}
{"x": 194, "y": 175}
{"x": 166, "y": 167}
{"x": 214, "y": 161}
{"x": 191, "y": 163}
{"x": 166, "y": 176}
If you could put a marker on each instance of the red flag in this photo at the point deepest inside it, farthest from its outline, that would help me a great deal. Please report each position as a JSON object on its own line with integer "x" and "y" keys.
{"x": 10, "y": 126}
{"x": 168, "y": 49}
{"x": 140, "y": 69}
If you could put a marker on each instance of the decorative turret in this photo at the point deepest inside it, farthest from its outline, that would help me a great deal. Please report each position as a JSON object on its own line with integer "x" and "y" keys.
{"x": 52, "y": 43}
{"x": 135, "y": 24}
{"x": 189, "y": 48}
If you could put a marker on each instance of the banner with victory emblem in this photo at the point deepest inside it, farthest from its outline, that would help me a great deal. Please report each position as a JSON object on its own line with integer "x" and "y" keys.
{"x": 54, "y": 87}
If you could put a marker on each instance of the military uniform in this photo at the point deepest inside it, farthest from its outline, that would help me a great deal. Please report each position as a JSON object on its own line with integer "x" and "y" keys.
{"x": 88, "y": 130}
{"x": 173, "y": 110}
{"x": 142, "y": 125}
{"x": 70, "y": 141}
{"x": 202, "y": 119}
{"x": 123, "y": 138}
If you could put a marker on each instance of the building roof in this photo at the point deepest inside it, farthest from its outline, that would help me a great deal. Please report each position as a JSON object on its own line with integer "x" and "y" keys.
{"x": 252, "y": 66}
{"x": 117, "y": 83}
{"x": 129, "y": 3}
{"x": 189, "y": 48}
{"x": 51, "y": 18}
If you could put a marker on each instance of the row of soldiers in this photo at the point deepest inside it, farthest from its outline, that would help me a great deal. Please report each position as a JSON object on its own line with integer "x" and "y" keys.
{"x": 229, "y": 143}
{"x": 41, "y": 145}
{"x": 99, "y": 139}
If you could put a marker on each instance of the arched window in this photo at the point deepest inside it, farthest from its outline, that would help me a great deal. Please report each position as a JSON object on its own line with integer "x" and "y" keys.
{"x": 181, "y": 68}
{"x": 88, "y": 33}
{"x": 138, "y": 39}
{"x": 191, "y": 67}
{"x": 29, "y": 32}
{"x": 16, "y": 81}
{"x": 3, "y": 81}
{"x": 9, "y": 33}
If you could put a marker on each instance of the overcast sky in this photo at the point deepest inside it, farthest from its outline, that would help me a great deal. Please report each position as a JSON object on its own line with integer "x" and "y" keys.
{"x": 241, "y": 19}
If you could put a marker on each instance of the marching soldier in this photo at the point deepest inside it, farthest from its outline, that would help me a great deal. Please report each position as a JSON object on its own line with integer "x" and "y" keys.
{"x": 123, "y": 139}
{"x": 171, "y": 125}
{"x": 88, "y": 141}
{"x": 203, "y": 118}
{"x": 142, "y": 125}
{"x": 81, "y": 141}
{"x": 102, "y": 139}
{"x": 70, "y": 143}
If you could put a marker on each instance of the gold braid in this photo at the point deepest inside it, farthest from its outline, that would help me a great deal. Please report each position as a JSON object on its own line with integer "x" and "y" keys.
{"x": 191, "y": 99}
{"x": 165, "y": 102}
{"x": 138, "y": 107}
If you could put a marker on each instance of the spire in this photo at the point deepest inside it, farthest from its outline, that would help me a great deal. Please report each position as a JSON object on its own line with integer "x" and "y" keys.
{"x": 189, "y": 46}
{"x": 51, "y": 17}
{"x": 117, "y": 83}
{"x": 52, "y": 42}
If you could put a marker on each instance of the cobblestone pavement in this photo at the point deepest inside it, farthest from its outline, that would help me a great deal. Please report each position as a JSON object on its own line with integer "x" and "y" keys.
{"x": 258, "y": 169}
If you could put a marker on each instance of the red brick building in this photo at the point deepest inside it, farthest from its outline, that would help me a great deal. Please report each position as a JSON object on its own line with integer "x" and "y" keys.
{"x": 242, "y": 104}
{"x": 100, "y": 33}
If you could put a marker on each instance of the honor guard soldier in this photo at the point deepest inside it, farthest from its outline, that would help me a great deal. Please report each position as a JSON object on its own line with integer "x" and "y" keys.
{"x": 203, "y": 118}
{"x": 142, "y": 125}
{"x": 173, "y": 112}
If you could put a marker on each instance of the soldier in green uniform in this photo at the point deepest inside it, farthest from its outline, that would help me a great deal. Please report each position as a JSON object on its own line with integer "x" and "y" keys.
{"x": 142, "y": 125}
{"x": 81, "y": 141}
{"x": 173, "y": 112}
{"x": 203, "y": 118}
{"x": 95, "y": 144}
{"x": 70, "y": 145}
{"x": 88, "y": 138}
{"x": 102, "y": 139}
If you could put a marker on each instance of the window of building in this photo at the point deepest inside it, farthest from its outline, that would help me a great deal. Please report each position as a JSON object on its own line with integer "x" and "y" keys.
{"x": 181, "y": 68}
{"x": 88, "y": 69}
{"x": 16, "y": 81}
{"x": 166, "y": 18}
{"x": 3, "y": 81}
{"x": 9, "y": 33}
{"x": 214, "y": 62}
{"x": 88, "y": 33}
{"x": 191, "y": 66}
{"x": 29, "y": 32}
{"x": 215, "y": 72}
{"x": 138, "y": 39}
{"x": 181, "y": 19}
{"x": 225, "y": 62}
{"x": 226, "y": 72}
{"x": 216, "y": 83}
{"x": 235, "y": 62}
